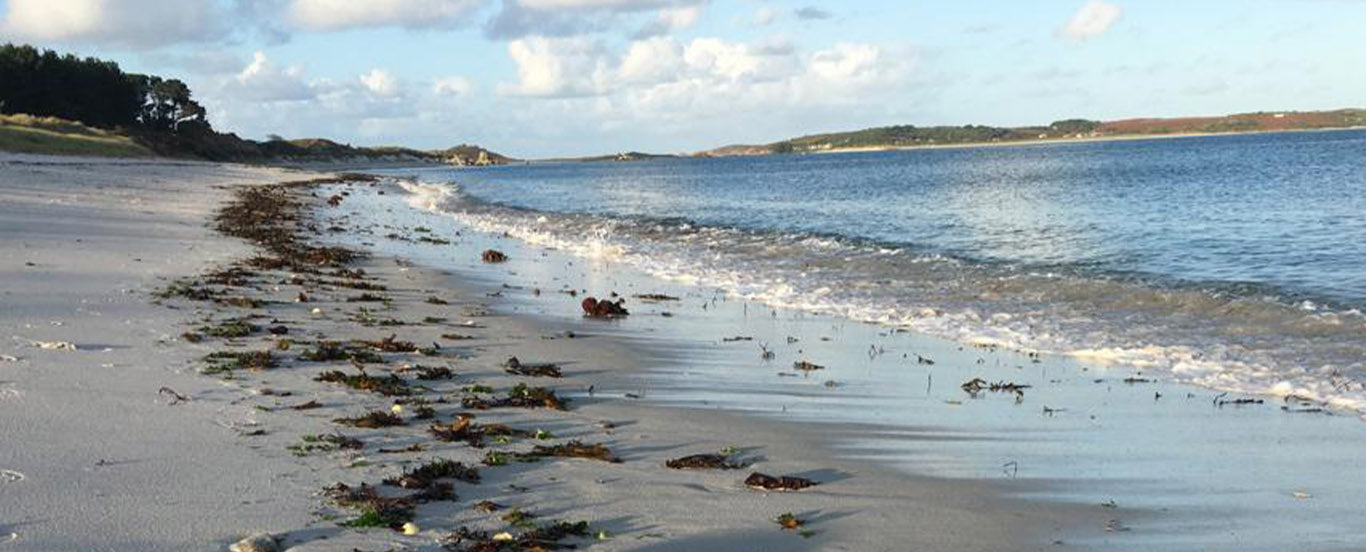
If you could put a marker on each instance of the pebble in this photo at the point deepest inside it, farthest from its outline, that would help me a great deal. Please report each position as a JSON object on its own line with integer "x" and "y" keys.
{"x": 257, "y": 542}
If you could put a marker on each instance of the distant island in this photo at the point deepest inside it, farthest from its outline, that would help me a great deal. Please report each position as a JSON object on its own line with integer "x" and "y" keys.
{"x": 911, "y": 136}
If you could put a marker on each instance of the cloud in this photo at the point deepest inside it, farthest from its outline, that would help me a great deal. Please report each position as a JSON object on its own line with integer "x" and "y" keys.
{"x": 125, "y": 23}
{"x": 332, "y": 15}
{"x": 452, "y": 86}
{"x": 707, "y": 74}
{"x": 670, "y": 20}
{"x": 811, "y": 13}
{"x": 266, "y": 97}
{"x": 380, "y": 83}
{"x": 561, "y": 18}
{"x": 265, "y": 82}
{"x": 1091, "y": 20}
{"x": 556, "y": 67}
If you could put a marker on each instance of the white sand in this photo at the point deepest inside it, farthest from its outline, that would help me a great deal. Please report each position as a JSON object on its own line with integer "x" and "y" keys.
{"x": 108, "y": 464}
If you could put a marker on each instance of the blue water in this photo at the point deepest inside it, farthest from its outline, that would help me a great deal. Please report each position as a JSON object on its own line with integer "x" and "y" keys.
{"x": 1234, "y": 262}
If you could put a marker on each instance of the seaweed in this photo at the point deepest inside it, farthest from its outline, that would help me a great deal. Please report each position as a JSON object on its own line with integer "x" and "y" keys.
{"x": 368, "y": 298}
{"x": 493, "y": 256}
{"x": 540, "y": 538}
{"x": 977, "y": 385}
{"x": 324, "y": 443}
{"x": 464, "y": 429}
{"x": 594, "y": 308}
{"x": 705, "y": 462}
{"x": 767, "y": 482}
{"x": 222, "y": 361}
{"x": 520, "y": 396}
{"x": 230, "y": 328}
{"x": 654, "y": 297}
{"x": 576, "y": 449}
{"x": 425, "y": 475}
{"x": 429, "y": 373}
{"x": 517, "y": 368}
{"x": 391, "y": 386}
{"x": 375, "y": 509}
{"x": 327, "y": 351}
{"x": 372, "y": 420}
{"x": 391, "y": 345}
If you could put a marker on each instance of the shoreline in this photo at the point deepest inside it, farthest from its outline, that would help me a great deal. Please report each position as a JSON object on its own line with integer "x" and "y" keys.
{"x": 1110, "y": 469}
{"x": 639, "y": 504}
{"x": 1106, "y": 434}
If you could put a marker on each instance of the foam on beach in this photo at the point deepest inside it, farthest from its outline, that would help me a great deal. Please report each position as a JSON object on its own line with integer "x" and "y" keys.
{"x": 1211, "y": 338}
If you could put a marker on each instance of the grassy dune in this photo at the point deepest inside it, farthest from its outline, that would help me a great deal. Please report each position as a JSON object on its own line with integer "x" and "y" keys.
{"x": 50, "y": 135}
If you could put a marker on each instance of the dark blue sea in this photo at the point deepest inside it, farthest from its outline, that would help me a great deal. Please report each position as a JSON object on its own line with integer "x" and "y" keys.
{"x": 1232, "y": 262}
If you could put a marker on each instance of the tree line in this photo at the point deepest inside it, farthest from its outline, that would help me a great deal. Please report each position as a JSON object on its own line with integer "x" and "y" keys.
{"x": 94, "y": 92}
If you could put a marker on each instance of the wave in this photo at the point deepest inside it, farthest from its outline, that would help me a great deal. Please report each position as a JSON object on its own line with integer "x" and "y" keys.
{"x": 1246, "y": 340}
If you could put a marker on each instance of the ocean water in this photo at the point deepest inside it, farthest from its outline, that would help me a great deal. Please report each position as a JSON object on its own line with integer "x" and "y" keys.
{"x": 1235, "y": 263}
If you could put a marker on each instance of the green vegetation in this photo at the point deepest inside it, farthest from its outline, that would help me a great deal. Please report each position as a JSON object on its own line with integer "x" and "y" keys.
{"x": 905, "y": 136}
{"x": 50, "y": 135}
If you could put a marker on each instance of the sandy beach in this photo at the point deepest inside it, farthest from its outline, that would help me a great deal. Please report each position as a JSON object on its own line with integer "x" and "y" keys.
{"x": 116, "y": 441}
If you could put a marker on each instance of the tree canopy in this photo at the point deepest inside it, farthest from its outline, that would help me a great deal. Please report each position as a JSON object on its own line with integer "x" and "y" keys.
{"x": 92, "y": 91}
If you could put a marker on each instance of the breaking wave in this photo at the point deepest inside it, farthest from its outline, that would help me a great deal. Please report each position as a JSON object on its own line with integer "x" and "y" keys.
{"x": 1231, "y": 338}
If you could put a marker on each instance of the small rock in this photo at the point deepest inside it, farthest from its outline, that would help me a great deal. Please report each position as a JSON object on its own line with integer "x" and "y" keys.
{"x": 257, "y": 542}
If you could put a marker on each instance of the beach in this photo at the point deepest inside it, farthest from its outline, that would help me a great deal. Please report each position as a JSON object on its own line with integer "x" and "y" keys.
{"x": 118, "y": 442}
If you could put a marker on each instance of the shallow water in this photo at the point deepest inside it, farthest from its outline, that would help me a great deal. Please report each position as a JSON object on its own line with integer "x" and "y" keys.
{"x": 1173, "y": 468}
{"x": 1237, "y": 262}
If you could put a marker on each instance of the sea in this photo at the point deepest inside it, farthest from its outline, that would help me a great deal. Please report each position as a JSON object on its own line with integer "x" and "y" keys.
{"x": 1234, "y": 263}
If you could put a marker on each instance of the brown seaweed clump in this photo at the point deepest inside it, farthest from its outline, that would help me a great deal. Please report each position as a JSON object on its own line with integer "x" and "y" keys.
{"x": 391, "y": 386}
{"x": 372, "y": 420}
{"x": 464, "y": 429}
{"x": 494, "y": 256}
{"x": 518, "y": 368}
{"x": 767, "y": 482}
{"x": 428, "y": 476}
{"x": 576, "y": 449}
{"x": 705, "y": 462}
{"x": 520, "y": 396}
{"x": 539, "y": 538}
{"x": 376, "y": 510}
{"x": 603, "y": 308}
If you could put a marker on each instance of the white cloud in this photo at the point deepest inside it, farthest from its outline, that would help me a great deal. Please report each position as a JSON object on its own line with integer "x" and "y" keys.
{"x": 557, "y": 67}
{"x": 664, "y": 77}
{"x": 1093, "y": 19}
{"x": 130, "y": 23}
{"x": 380, "y": 83}
{"x": 264, "y": 81}
{"x": 452, "y": 86}
{"x": 331, "y": 15}
{"x": 680, "y": 18}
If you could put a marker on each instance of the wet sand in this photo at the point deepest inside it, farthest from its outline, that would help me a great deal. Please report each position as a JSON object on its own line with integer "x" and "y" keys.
{"x": 1154, "y": 465}
{"x": 99, "y": 458}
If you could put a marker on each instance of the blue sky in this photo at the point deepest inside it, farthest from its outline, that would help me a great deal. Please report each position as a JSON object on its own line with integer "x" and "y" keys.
{"x": 559, "y": 77}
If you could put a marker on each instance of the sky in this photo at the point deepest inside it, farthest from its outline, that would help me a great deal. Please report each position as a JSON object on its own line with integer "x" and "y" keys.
{"x": 538, "y": 78}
